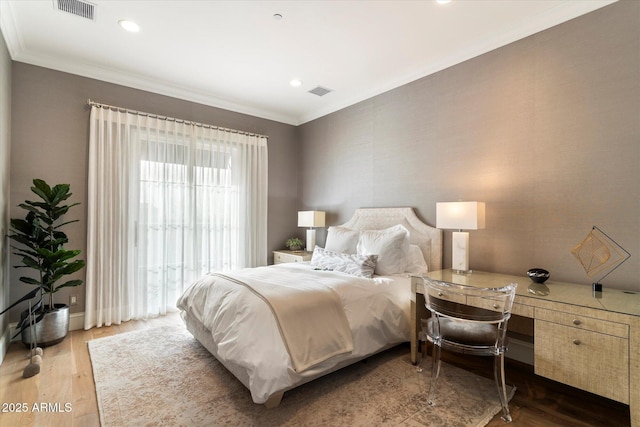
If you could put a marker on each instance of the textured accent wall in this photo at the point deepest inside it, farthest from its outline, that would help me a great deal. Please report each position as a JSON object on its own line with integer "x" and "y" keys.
{"x": 545, "y": 130}
{"x": 5, "y": 144}
{"x": 50, "y": 127}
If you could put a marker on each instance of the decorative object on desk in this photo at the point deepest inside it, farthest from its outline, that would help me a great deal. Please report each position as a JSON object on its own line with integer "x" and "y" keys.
{"x": 294, "y": 244}
{"x": 460, "y": 216}
{"x": 538, "y": 275}
{"x": 598, "y": 253}
{"x": 311, "y": 219}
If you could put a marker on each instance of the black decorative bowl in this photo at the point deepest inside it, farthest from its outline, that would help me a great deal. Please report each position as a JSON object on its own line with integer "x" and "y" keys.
{"x": 538, "y": 275}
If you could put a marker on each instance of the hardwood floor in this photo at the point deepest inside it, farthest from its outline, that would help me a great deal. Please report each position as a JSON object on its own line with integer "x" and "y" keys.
{"x": 66, "y": 377}
{"x": 540, "y": 402}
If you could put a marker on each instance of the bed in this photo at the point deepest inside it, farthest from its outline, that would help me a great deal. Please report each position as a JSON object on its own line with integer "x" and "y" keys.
{"x": 281, "y": 326}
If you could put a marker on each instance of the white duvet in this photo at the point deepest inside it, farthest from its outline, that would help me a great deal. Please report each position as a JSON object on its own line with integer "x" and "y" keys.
{"x": 246, "y": 336}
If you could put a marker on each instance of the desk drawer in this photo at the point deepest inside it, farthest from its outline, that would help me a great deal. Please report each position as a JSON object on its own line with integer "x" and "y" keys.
{"x": 583, "y": 322}
{"x": 522, "y": 310}
{"x": 591, "y": 361}
{"x": 486, "y": 303}
{"x": 446, "y": 296}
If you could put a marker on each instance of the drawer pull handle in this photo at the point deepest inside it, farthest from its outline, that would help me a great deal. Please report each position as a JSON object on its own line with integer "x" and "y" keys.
{"x": 576, "y": 322}
{"x": 576, "y": 342}
{"x": 496, "y": 306}
{"x": 440, "y": 294}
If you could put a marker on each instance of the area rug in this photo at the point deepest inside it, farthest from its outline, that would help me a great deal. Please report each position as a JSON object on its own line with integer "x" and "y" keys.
{"x": 164, "y": 377}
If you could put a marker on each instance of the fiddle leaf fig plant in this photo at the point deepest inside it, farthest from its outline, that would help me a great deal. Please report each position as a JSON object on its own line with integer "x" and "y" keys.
{"x": 42, "y": 244}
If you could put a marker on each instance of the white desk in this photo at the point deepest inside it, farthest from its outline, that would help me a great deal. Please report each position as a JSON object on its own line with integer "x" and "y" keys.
{"x": 588, "y": 340}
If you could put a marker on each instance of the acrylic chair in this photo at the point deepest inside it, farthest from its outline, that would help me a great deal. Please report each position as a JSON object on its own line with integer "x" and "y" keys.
{"x": 469, "y": 320}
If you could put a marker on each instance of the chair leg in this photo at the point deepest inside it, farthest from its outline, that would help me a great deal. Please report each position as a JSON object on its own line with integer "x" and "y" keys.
{"x": 435, "y": 373}
{"x": 422, "y": 348}
{"x": 498, "y": 373}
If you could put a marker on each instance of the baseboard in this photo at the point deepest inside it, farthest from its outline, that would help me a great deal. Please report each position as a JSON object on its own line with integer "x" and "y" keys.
{"x": 76, "y": 321}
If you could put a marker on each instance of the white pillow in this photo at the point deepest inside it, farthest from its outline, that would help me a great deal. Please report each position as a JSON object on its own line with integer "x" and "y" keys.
{"x": 341, "y": 239}
{"x": 354, "y": 264}
{"x": 416, "y": 263}
{"x": 391, "y": 245}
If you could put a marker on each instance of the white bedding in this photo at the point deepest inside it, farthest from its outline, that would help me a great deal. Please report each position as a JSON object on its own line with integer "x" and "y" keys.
{"x": 246, "y": 336}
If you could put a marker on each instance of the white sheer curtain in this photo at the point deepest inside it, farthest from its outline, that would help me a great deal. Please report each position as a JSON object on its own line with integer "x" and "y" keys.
{"x": 168, "y": 202}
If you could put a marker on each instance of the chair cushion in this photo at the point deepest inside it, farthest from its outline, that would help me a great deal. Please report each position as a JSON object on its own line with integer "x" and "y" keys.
{"x": 468, "y": 333}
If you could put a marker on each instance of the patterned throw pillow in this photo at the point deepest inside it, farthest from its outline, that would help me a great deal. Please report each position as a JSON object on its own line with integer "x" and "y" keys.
{"x": 356, "y": 265}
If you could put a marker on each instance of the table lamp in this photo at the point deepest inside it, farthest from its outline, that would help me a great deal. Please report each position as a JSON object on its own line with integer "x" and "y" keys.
{"x": 311, "y": 219}
{"x": 460, "y": 216}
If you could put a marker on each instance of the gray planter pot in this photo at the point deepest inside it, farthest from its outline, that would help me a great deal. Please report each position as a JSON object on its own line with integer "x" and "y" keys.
{"x": 52, "y": 329}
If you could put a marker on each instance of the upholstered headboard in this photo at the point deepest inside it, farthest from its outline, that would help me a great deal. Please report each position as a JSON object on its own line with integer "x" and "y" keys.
{"x": 428, "y": 238}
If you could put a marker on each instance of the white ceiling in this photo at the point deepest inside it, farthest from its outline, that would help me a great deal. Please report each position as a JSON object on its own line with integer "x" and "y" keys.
{"x": 235, "y": 55}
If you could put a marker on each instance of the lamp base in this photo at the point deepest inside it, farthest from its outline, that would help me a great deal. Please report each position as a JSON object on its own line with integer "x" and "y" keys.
{"x": 311, "y": 239}
{"x": 459, "y": 251}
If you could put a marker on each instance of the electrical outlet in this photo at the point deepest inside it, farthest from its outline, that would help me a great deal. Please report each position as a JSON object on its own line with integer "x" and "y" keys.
{"x": 73, "y": 300}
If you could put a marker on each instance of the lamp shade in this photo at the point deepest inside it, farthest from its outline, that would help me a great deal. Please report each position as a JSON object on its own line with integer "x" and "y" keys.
{"x": 311, "y": 219}
{"x": 460, "y": 215}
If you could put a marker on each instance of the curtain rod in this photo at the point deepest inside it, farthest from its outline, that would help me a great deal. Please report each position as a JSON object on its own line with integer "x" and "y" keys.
{"x": 171, "y": 119}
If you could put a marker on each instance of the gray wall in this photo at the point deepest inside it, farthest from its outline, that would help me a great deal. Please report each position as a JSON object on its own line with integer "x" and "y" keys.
{"x": 546, "y": 131}
{"x": 5, "y": 141}
{"x": 50, "y": 133}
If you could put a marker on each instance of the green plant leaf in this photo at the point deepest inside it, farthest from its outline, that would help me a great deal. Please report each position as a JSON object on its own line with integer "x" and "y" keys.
{"x": 30, "y": 262}
{"x": 30, "y": 281}
{"x": 28, "y": 296}
{"x": 69, "y": 284}
{"x": 59, "y": 193}
{"x": 29, "y": 207}
{"x": 72, "y": 267}
{"x": 25, "y": 240}
{"x": 42, "y": 189}
{"x": 21, "y": 226}
{"x": 24, "y": 252}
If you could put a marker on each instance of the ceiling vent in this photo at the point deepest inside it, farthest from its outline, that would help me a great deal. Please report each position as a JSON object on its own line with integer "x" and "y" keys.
{"x": 79, "y": 8}
{"x": 320, "y": 91}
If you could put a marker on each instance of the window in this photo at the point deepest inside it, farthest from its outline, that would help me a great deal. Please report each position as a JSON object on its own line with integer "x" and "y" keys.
{"x": 168, "y": 202}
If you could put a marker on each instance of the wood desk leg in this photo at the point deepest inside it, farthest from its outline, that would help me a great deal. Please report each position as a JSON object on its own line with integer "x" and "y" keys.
{"x": 634, "y": 373}
{"x": 414, "y": 331}
{"x": 418, "y": 311}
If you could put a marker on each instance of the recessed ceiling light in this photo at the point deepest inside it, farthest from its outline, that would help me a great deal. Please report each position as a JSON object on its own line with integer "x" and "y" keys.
{"x": 129, "y": 25}
{"x": 295, "y": 83}
{"x": 443, "y": 1}
{"x": 277, "y": 16}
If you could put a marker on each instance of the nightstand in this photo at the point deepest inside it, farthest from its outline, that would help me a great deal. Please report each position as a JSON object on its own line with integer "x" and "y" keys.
{"x": 282, "y": 256}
